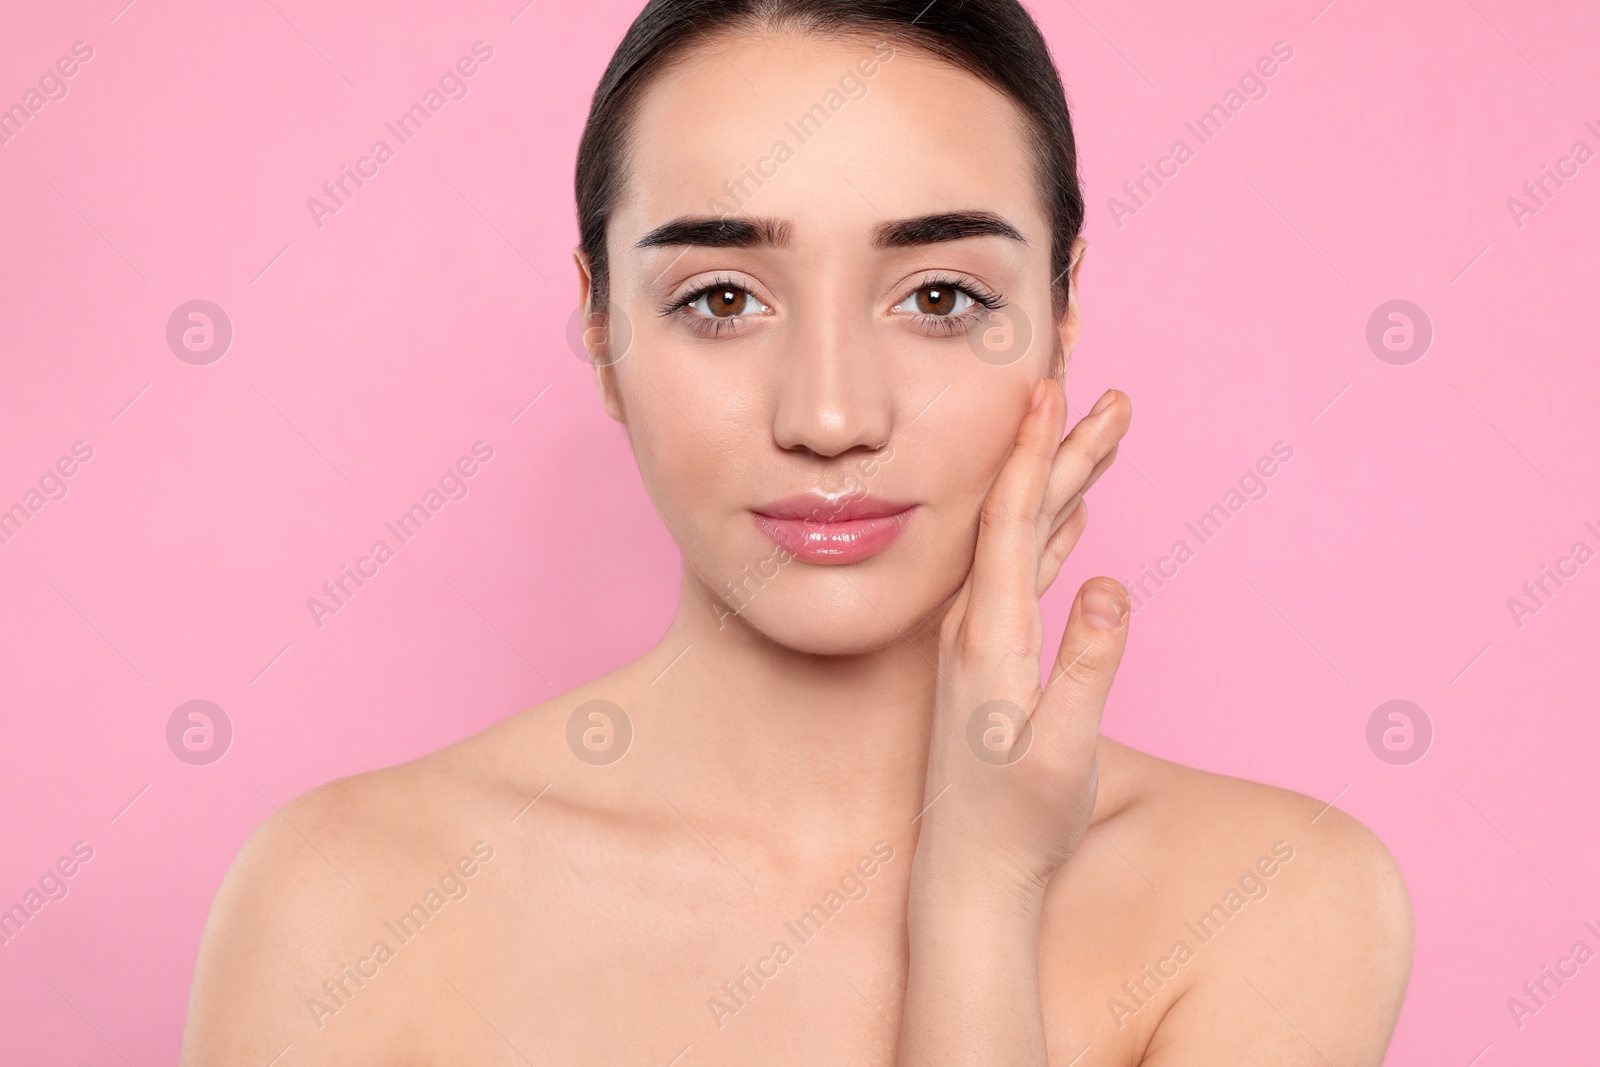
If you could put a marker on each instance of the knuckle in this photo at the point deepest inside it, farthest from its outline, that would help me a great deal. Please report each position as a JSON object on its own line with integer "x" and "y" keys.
{"x": 975, "y": 638}
{"x": 984, "y": 639}
{"x": 950, "y": 633}
{"x": 998, "y": 512}
{"x": 1082, "y": 666}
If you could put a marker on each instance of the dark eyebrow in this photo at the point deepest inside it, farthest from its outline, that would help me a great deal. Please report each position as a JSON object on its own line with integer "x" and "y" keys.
{"x": 946, "y": 226}
{"x": 713, "y": 232}
{"x": 728, "y": 232}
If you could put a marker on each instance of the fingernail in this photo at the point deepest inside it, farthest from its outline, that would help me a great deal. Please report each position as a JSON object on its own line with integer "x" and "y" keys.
{"x": 1102, "y": 607}
{"x": 1101, "y": 404}
{"x": 1038, "y": 395}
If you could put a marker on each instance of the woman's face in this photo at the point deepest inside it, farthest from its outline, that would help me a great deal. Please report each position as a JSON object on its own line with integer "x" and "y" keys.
{"x": 817, "y": 391}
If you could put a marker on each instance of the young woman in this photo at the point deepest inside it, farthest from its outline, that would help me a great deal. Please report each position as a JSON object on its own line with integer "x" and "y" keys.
{"x": 831, "y": 250}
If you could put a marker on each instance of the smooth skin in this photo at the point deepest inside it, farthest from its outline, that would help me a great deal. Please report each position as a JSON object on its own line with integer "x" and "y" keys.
{"x": 801, "y": 745}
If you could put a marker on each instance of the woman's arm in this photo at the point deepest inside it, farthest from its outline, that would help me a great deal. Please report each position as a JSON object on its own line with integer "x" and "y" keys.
{"x": 1011, "y": 769}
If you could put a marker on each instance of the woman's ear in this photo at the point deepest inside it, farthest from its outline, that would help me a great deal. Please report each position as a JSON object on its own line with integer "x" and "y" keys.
{"x": 1070, "y": 322}
{"x": 595, "y": 340}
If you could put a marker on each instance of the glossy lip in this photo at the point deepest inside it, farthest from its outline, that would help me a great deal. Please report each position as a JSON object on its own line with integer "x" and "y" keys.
{"x": 822, "y": 529}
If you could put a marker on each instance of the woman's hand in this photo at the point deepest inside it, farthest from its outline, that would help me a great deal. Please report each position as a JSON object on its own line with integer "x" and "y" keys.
{"x": 1011, "y": 771}
{"x": 1011, "y": 767}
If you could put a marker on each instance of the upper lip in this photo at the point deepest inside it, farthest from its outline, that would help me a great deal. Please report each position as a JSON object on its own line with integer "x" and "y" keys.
{"x": 841, "y": 507}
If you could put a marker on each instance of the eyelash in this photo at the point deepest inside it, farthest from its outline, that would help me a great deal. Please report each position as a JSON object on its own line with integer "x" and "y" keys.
{"x": 701, "y": 324}
{"x": 941, "y": 325}
{"x": 951, "y": 325}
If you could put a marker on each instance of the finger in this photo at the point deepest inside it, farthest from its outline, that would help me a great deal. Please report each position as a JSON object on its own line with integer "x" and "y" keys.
{"x": 1067, "y": 718}
{"x": 1085, "y": 455}
{"x": 1060, "y": 545}
{"x": 1101, "y": 467}
{"x": 1070, "y": 506}
{"x": 1006, "y": 559}
{"x": 1088, "y": 450}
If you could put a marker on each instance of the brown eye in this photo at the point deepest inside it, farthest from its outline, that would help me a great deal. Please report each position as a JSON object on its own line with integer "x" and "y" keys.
{"x": 936, "y": 299}
{"x": 724, "y": 302}
{"x": 727, "y": 302}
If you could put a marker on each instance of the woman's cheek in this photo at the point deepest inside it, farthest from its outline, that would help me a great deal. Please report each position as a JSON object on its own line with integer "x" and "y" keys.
{"x": 687, "y": 475}
{"x": 973, "y": 446}
{"x": 684, "y": 470}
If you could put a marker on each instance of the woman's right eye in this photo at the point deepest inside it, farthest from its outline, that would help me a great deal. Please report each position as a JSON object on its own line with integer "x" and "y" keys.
{"x": 725, "y": 302}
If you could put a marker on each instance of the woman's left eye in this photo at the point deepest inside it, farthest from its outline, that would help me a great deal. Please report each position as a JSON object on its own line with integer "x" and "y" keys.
{"x": 939, "y": 301}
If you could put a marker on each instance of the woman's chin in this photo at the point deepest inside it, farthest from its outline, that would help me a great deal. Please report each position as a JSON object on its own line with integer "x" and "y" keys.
{"x": 830, "y": 637}
{"x": 832, "y": 626}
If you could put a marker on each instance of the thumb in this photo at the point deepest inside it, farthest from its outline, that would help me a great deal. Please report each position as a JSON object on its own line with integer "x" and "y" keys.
{"x": 1068, "y": 713}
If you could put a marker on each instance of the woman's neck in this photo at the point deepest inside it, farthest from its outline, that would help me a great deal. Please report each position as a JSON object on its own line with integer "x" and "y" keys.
{"x": 768, "y": 736}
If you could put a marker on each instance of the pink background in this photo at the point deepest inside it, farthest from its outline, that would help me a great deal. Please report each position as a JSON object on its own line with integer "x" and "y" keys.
{"x": 426, "y": 315}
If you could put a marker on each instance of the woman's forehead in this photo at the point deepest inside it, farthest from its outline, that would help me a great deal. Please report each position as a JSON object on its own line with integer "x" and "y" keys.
{"x": 830, "y": 134}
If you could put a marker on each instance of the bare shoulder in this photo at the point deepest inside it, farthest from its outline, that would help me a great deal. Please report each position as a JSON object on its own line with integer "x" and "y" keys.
{"x": 297, "y": 901}
{"x": 312, "y": 900}
{"x": 1207, "y": 818}
{"x": 1290, "y": 921}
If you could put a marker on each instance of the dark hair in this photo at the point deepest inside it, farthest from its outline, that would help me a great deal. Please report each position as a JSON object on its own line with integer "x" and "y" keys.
{"x": 994, "y": 40}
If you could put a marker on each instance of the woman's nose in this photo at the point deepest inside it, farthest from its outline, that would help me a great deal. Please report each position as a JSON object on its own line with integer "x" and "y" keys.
{"x": 832, "y": 390}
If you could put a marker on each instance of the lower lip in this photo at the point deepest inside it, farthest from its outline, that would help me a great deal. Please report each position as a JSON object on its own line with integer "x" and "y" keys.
{"x": 833, "y": 542}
